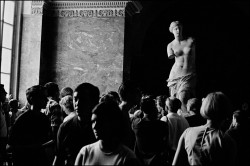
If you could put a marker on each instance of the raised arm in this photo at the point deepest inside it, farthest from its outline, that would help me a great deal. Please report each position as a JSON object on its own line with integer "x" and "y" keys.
{"x": 170, "y": 51}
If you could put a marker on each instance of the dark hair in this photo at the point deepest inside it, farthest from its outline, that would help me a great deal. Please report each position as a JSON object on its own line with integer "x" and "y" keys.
{"x": 66, "y": 91}
{"x": 128, "y": 90}
{"x": 13, "y": 103}
{"x": 110, "y": 112}
{"x": 148, "y": 105}
{"x": 194, "y": 105}
{"x": 34, "y": 93}
{"x": 216, "y": 106}
{"x": 52, "y": 88}
{"x": 161, "y": 99}
{"x": 89, "y": 89}
{"x": 174, "y": 104}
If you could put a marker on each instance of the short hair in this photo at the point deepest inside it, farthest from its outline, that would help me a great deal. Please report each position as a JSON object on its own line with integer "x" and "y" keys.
{"x": 216, "y": 106}
{"x": 13, "y": 103}
{"x": 174, "y": 24}
{"x": 66, "y": 91}
{"x": 52, "y": 88}
{"x": 89, "y": 89}
{"x": 110, "y": 112}
{"x": 127, "y": 90}
{"x": 174, "y": 104}
{"x": 194, "y": 104}
{"x": 34, "y": 93}
{"x": 161, "y": 99}
{"x": 148, "y": 105}
{"x": 67, "y": 102}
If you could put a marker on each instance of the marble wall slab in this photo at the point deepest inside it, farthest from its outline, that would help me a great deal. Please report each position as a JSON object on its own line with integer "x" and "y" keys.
{"x": 89, "y": 50}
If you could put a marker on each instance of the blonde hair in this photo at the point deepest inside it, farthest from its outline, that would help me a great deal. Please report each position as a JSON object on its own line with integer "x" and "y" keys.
{"x": 67, "y": 102}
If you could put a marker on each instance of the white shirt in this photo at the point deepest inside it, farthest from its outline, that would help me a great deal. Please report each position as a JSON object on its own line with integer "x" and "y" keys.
{"x": 92, "y": 155}
{"x": 176, "y": 126}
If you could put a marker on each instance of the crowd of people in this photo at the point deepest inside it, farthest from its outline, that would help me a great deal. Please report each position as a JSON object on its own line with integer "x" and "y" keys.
{"x": 127, "y": 127}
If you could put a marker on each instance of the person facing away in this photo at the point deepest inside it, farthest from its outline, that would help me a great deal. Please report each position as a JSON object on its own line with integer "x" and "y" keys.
{"x": 194, "y": 117}
{"x": 31, "y": 131}
{"x": 14, "y": 111}
{"x": 77, "y": 131}
{"x": 66, "y": 91}
{"x": 182, "y": 77}
{"x": 107, "y": 125}
{"x": 130, "y": 98}
{"x": 67, "y": 106}
{"x": 176, "y": 124}
{"x": 207, "y": 144}
{"x": 160, "y": 104}
{"x": 151, "y": 135}
{"x": 53, "y": 109}
{"x": 239, "y": 132}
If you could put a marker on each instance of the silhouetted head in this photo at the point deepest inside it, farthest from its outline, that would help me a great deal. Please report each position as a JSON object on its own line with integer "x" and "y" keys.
{"x": 85, "y": 98}
{"x": 52, "y": 89}
{"x": 13, "y": 103}
{"x": 37, "y": 96}
{"x": 129, "y": 92}
{"x": 148, "y": 106}
{"x": 194, "y": 104}
{"x": 107, "y": 121}
{"x": 173, "y": 104}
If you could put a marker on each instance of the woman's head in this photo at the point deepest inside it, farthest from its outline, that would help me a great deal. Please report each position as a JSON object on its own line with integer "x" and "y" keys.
{"x": 173, "y": 25}
{"x": 216, "y": 107}
{"x": 107, "y": 121}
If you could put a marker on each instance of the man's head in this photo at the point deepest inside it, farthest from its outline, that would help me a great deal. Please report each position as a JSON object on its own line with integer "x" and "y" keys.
{"x": 66, "y": 91}
{"x": 37, "y": 96}
{"x": 148, "y": 106}
{"x": 85, "y": 98}
{"x": 173, "y": 104}
{"x": 52, "y": 89}
{"x": 13, "y": 103}
{"x": 129, "y": 92}
{"x": 2, "y": 93}
{"x": 194, "y": 105}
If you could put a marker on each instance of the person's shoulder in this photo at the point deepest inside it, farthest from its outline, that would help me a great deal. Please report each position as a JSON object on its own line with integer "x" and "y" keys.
{"x": 70, "y": 122}
{"x": 170, "y": 45}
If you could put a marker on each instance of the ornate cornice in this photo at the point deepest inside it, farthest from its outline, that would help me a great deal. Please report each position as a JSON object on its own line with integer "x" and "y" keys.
{"x": 37, "y": 7}
{"x": 80, "y": 8}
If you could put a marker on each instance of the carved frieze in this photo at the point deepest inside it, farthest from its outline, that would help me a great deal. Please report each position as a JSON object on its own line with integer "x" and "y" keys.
{"x": 80, "y": 8}
{"x": 37, "y": 7}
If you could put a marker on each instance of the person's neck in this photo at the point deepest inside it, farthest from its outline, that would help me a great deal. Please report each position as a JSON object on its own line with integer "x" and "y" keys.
{"x": 109, "y": 146}
{"x": 213, "y": 124}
